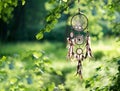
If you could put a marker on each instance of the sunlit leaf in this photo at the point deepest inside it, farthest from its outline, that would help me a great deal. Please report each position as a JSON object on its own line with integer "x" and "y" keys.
{"x": 13, "y": 80}
{"x": 37, "y": 55}
{"x": 59, "y": 72}
{"x": 51, "y": 87}
{"x": 39, "y": 36}
{"x": 65, "y": 0}
{"x": 3, "y": 58}
{"x": 61, "y": 87}
{"x": 23, "y": 2}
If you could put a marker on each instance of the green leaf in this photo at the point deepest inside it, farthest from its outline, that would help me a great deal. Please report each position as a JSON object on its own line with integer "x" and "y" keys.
{"x": 58, "y": 15}
{"x": 37, "y": 55}
{"x": 61, "y": 86}
{"x": 39, "y": 36}
{"x": 3, "y": 58}
{"x": 23, "y": 2}
{"x": 65, "y": 0}
{"x": 51, "y": 87}
{"x": 48, "y": 28}
{"x": 59, "y": 73}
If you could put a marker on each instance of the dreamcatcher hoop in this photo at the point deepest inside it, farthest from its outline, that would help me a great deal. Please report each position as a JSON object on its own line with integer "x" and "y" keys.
{"x": 79, "y": 39}
{"x": 79, "y": 22}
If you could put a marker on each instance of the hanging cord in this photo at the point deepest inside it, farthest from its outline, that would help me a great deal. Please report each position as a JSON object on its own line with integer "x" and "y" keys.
{"x": 78, "y": 8}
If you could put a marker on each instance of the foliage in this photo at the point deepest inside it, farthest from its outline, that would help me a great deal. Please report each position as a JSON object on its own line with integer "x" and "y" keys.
{"x": 114, "y": 8}
{"x": 107, "y": 82}
{"x": 25, "y": 72}
{"x": 23, "y": 21}
{"x": 99, "y": 73}
{"x": 7, "y": 7}
{"x": 116, "y": 85}
{"x": 18, "y": 74}
{"x": 53, "y": 16}
{"x": 100, "y": 14}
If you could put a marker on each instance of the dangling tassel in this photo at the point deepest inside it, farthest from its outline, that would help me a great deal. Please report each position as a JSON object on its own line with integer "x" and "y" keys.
{"x": 88, "y": 48}
{"x": 82, "y": 57}
{"x": 79, "y": 67}
{"x": 70, "y": 46}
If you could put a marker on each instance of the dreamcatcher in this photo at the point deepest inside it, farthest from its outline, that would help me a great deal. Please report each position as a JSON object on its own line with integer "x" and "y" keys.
{"x": 78, "y": 41}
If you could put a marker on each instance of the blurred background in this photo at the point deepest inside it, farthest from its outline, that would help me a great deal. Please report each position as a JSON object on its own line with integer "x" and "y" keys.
{"x": 29, "y": 64}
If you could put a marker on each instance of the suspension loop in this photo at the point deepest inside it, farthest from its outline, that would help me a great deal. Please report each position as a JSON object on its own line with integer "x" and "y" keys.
{"x": 78, "y": 8}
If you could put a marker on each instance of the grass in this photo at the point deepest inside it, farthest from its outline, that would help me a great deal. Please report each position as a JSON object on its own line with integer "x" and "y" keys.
{"x": 100, "y": 69}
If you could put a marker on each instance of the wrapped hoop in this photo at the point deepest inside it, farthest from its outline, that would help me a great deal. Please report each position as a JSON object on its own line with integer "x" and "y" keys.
{"x": 79, "y": 51}
{"x": 79, "y": 39}
{"x": 79, "y": 22}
